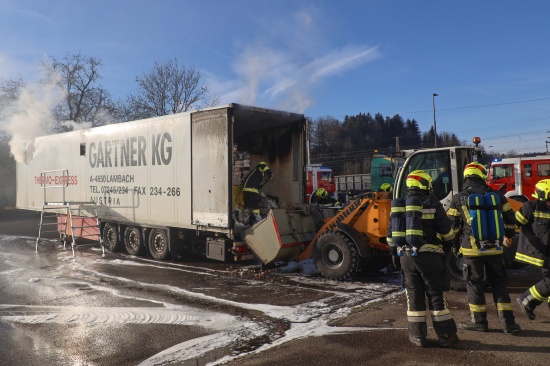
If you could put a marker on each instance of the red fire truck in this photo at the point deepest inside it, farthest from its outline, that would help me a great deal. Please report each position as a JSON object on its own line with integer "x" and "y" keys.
{"x": 319, "y": 176}
{"x": 518, "y": 176}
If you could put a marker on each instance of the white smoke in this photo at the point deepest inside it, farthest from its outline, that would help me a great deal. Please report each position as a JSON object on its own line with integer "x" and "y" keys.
{"x": 32, "y": 115}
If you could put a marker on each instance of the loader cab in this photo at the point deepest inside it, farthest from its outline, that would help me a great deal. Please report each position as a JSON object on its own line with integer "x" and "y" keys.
{"x": 444, "y": 165}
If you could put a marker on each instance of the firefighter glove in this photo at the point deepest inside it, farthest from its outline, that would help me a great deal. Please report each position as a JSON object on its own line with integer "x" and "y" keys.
{"x": 507, "y": 242}
{"x": 395, "y": 261}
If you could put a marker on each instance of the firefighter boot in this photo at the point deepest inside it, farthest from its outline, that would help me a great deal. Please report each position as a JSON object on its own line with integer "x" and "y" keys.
{"x": 476, "y": 327}
{"x": 417, "y": 333}
{"x": 511, "y": 328}
{"x": 448, "y": 341}
{"x": 526, "y": 309}
{"x": 418, "y": 341}
{"x": 478, "y": 322}
{"x": 507, "y": 318}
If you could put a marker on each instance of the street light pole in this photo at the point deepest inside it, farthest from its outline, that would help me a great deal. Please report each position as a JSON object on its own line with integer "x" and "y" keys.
{"x": 435, "y": 126}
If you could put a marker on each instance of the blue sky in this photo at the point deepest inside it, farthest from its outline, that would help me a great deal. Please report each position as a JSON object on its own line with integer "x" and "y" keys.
{"x": 488, "y": 61}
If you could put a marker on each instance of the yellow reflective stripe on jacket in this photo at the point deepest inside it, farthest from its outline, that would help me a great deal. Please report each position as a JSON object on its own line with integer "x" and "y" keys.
{"x": 521, "y": 219}
{"x": 398, "y": 209}
{"x": 453, "y": 212}
{"x": 449, "y": 235}
{"x": 431, "y": 248}
{"x": 415, "y": 232}
{"x": 428, "y": 213}
{"x": 541, "y": 215}
{"x": 466, "y": 211}
{"x": 506, "y": 207}
{"x": 528, "y": 259}
{"x": 251, "y": 190}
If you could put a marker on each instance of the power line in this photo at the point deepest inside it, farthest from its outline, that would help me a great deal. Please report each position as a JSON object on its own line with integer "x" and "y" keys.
{"x": 479, "y": 106}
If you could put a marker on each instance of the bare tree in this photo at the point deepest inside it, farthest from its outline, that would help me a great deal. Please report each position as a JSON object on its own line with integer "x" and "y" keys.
{"x": 170, "y": 88}
{"x": 85, "y": 99}
{"x": 10, "y": 90}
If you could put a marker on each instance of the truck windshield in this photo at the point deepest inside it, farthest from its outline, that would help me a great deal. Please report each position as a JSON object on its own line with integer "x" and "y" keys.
{"x": 501, "y": 171}
{"x": 434, "y": 163}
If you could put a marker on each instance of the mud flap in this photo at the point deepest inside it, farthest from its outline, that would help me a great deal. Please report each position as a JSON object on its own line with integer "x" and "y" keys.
{"x": 281, "y": 236}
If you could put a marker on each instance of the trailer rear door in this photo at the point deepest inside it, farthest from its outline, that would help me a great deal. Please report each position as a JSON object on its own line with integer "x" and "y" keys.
{"x": 211, "y": 168}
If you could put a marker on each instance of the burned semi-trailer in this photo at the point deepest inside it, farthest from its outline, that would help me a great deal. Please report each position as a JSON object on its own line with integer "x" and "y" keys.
{"x": 172, "y": 184}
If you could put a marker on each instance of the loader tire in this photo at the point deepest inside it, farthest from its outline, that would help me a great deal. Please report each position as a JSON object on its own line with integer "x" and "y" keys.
{"x": 110, "y": 238}
{"x": 336, "y": 257}
{"x": 133, "y": 241}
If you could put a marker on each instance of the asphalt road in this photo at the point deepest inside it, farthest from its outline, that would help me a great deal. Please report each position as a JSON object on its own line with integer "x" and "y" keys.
{"x": 56, "y": 309}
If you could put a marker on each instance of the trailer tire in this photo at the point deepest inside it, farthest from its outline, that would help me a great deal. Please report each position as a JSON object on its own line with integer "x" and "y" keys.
{"x": 336, "y": 257}
{"x": 110, "y": 238}
{"x": 158, "y": 244}
{"x": 133, "y": 241}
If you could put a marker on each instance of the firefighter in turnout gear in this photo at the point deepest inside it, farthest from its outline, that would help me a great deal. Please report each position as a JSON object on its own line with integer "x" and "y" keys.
{"x": 534, "y": 245}
{"x": 385, "y": 187}
{"x": 255, "y": 180}
{"x": 483, "y": 258}
{"x": 418, "y": 246}
{"x": 321, "y": 198}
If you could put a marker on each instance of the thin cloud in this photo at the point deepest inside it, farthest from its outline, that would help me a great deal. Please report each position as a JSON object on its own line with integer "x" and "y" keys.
{"x": 342, "y": 60}
{"x": 285, "y": 65}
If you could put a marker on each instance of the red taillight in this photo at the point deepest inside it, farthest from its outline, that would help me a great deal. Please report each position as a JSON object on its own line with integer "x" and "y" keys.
{"x": 241, "y": 249}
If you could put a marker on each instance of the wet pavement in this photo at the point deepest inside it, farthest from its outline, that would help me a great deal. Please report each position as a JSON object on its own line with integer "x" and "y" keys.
{"x": 116, "y": 309}
{"x": 56, "y": 309}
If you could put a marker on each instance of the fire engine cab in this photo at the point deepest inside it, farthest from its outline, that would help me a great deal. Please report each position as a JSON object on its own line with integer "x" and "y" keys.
{"x": 319, "y": 176}
{"x": 518, "y": 176}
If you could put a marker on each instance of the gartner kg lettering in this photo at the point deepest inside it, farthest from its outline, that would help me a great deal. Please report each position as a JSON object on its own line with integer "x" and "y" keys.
{"x": 131, "y": 151}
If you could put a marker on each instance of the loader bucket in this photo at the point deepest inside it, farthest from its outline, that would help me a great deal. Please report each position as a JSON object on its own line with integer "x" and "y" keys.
{"x": 281, "y": 236}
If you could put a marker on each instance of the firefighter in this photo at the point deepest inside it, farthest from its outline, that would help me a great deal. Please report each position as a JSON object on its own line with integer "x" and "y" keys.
{"x": 534, "y": 242}
{"x": 482, "y": 263}
{"x": 321, "y": 198}
{"x": 385, "y": 187}
{"x": 424, "y": 271}
{"x": 254, "y": 181}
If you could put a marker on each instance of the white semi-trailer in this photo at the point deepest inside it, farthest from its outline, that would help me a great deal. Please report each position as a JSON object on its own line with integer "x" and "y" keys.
{"x": 172, "y": 184}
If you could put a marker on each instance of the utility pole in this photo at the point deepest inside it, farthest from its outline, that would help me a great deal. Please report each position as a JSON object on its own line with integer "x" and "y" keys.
{"x": 435, "y": 126}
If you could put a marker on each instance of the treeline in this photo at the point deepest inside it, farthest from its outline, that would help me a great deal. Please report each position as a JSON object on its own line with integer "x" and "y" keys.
{"x": 348, "y": 146}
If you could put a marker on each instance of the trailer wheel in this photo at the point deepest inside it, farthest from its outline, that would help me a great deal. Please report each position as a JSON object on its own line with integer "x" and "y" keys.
{"x": 110, "y": 237}
{"x": 335, "y": 256}
{"x": 158, "y": 244}
{"x": 133, "y": 240}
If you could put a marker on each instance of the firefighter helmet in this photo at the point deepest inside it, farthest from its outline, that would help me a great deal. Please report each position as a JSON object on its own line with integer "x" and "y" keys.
{"x": 262, "y": 166}
{"x": 475, "y": 170}
{"x": 419, "y": 179}
{"x": 542, "y": 190}
{"x": 385, "y": 187}
{"x": 321, "y": 192}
